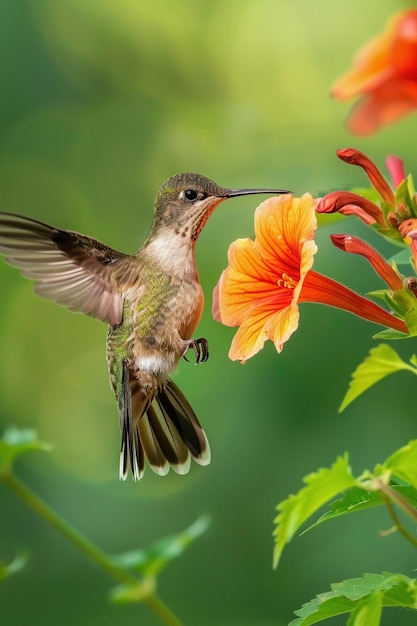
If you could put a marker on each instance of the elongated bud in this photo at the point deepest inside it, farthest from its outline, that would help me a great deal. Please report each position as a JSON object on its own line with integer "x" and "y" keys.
{"x": 354, "y": 245}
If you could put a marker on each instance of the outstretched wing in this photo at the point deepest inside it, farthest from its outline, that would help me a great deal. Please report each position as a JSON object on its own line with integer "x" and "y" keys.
{"x": 74, "y": 270}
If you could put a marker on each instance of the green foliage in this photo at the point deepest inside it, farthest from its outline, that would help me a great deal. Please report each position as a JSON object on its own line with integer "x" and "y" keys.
{"x": 368, "y": 490}
{"x": 364, "y": 598}
{"x": 16, "y": 442}
{"x": 403, "y": 462}
{"x": 8, "y": 569}
{"x": 359, "y": 499}
{"x": 381, "y": 361}
{"x": 152, "y": 560}
{"x": 405, "y": 195}
{"x": 320, "y": 488}
{"x": 392, "y": 483}
{"x": 149, "y": 562}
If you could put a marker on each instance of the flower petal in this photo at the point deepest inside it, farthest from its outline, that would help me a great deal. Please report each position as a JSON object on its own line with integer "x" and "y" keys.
{"x": 370, "y": 68}
{"x": 385, "y": 74}
{"x": 393, "y": 53}
{"x": 246, "y": 280}
{"x": 396, "y": 168}
{"x": 277, "y": 326}
{"x": 283, "y": 325}
{"x": 321, "y": 289}
{"x": 404, "y": 45}
{"x": 356, "y": 157}
{"x": 354, "y": 245}
{"x": 349, "y": 203}
{"x": 282, "y": 225}
{"x": 383, "y": 106}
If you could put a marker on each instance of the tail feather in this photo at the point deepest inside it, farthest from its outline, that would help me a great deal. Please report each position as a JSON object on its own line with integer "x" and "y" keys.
{"x": 131, "y": 452}
{"x": 162, "y": 430}
{"x": 172, "y": 446}
{"x": 174, "y": 404}
{"x": 150, "y": 443}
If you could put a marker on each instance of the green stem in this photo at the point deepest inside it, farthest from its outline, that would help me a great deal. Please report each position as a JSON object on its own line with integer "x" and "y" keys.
{"x": 95, "y": 554}
{"x": 387, "y": 494}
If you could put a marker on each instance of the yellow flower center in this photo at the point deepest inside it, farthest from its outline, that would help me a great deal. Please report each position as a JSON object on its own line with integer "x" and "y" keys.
{"x": 286, "y": 281}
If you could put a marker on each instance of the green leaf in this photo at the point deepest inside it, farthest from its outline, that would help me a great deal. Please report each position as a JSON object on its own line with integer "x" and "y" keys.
{"x": 390, "y": 334}
{"x": 381, "y": 361}
{"x": 367, "y": 612}
{"x": 403, "y": 463}
{"x": 358, "y": 499}
{"x": 8, "y": 569}
{"x": 16, "y": 442}
{"x": 403, "y": 257}
{"x": 320, "y": 487}
{"x": 387, "y": 295}
{"x": 405, "y": 194}
{"x": 352, "y": 500}
{"x": 150, "y": 561}
{"x": 128, "y": 594}
{"x": 411, "y": 320}
{"x": 363, "y": 598}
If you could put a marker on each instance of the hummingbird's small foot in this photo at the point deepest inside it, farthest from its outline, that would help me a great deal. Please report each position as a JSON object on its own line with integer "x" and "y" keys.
{"x": 200, "y": 347}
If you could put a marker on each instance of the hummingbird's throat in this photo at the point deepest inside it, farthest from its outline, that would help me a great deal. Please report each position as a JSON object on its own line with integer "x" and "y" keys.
{"x": 202, "y": 213}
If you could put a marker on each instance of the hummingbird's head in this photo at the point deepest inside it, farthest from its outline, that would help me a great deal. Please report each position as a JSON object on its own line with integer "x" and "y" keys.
{"x": 186, "y": 201}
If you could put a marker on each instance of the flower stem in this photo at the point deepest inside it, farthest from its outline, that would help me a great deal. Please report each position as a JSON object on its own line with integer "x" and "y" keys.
{"x": 390, "y": 496}
{"x": 144, "y": 590}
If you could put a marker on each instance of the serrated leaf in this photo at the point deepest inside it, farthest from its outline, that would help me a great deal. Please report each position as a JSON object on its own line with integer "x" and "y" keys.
{"x": 16, "y": 442}
{"x": 358, "y": 499}
{"x": 8, "y": 569}
{"x": 352, "y": 500}
{"x": 381, "y": 361}
{"x": 321, "y": 487}
{"x": 403, "y": 463}
{"x": 367, "y": 612}
{"x": 361, "y": 597}
{"x": 152, "y": 560}
{"x": 322, "y": 607}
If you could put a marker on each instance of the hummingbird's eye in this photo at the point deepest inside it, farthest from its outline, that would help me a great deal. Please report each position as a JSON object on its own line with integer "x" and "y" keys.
{"x": 190, "y": 194}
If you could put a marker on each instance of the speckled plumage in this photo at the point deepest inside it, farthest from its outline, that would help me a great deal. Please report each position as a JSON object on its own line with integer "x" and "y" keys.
{"x": 152, "y": 301}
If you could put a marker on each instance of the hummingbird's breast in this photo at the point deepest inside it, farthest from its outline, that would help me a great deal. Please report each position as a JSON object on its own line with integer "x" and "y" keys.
{"x": 162, "y": 315}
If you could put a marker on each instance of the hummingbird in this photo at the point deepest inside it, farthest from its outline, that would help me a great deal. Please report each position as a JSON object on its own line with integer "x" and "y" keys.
{"x": 151, "y": 300}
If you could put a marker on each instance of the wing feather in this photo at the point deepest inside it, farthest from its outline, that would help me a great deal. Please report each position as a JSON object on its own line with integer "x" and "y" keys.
{"x": 74, "y": 270}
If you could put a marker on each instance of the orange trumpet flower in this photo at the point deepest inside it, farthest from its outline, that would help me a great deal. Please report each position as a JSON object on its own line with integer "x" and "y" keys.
{"x": 384, "y": 74}
{"x": 268, "y": 277}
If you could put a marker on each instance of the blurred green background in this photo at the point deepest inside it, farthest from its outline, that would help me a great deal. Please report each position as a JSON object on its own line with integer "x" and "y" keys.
{"x": 101, "y": 101}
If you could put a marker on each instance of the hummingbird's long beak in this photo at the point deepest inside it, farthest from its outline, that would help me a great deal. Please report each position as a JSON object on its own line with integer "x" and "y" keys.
{"x": 232, "y": 193}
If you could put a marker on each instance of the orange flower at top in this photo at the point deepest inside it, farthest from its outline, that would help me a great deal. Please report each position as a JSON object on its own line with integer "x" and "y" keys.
{"x": 267, "y": 278}
{"x": 385, "y": 75}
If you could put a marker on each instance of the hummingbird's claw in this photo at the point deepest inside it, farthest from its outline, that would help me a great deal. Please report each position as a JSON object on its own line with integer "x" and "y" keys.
{"x": 200, "y": 347}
